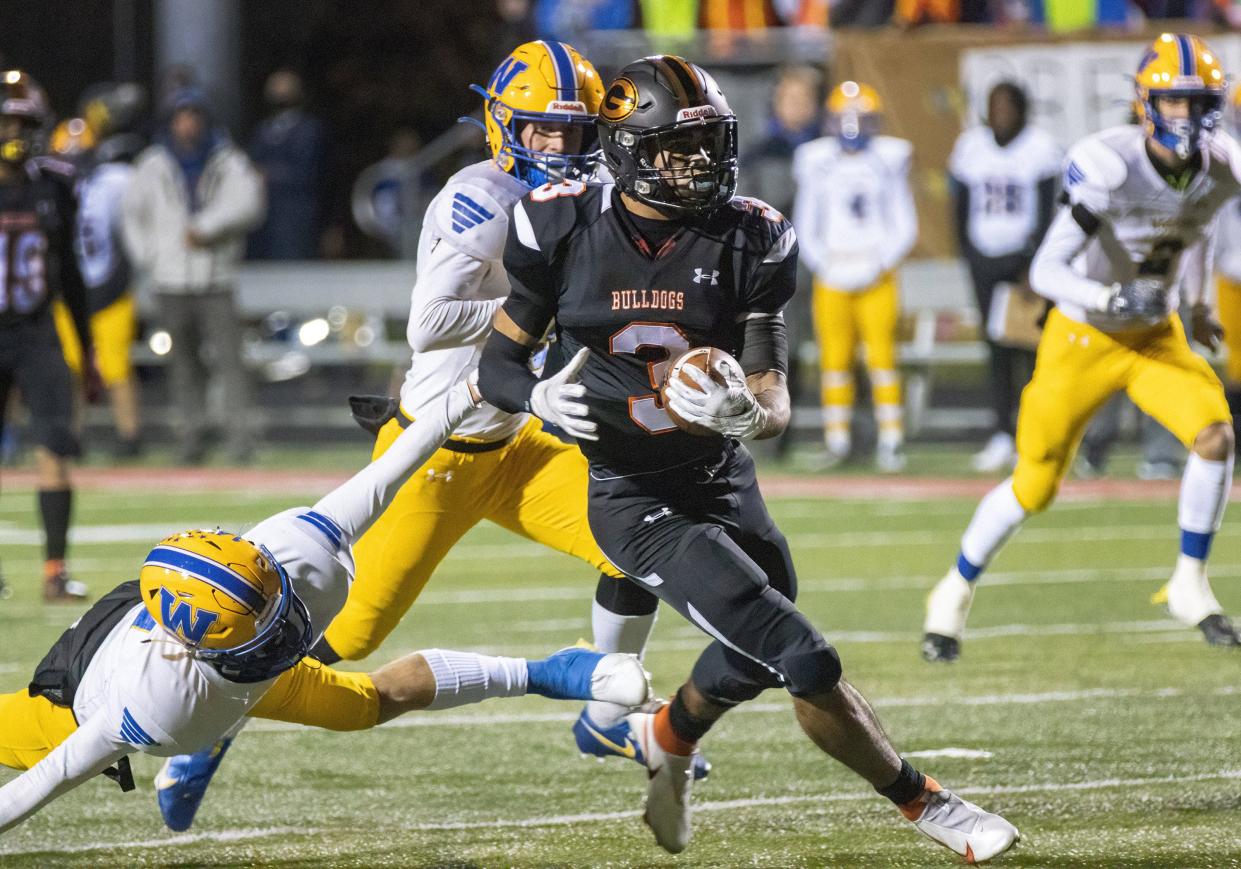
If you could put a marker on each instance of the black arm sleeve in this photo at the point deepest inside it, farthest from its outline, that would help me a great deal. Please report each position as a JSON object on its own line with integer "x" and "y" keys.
{"x": 961, "y": 215}
{"x": 763, "y": 345}
{"x": 72, "y": 287}
{"x": 1046, "y": 210}
{"x": 504, "y": 376}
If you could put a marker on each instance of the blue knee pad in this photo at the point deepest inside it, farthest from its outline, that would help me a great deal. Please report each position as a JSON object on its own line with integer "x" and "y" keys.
{"x": 815, "y": 672}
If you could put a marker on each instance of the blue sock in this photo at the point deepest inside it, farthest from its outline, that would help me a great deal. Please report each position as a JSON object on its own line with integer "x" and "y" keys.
{"x": 968, "y": 569}
{"x": 564, "y": 675}
{"x": 1196, "y": 544}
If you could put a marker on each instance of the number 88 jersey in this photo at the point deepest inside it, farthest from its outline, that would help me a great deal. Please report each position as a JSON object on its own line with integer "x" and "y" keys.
{"x": 574, "y": 254}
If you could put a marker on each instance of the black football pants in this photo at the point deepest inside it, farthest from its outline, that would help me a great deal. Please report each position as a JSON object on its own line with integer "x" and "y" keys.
{"x": 700, "y": 538}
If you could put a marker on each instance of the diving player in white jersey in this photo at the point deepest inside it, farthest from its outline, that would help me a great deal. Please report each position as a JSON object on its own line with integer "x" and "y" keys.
{"x": 855, "y": 218}
{"x": 1134, "y": 236}
{"x": 539, "y": 111}
{"x": 216, "y": 627}
{"x": 1228, "y": 285}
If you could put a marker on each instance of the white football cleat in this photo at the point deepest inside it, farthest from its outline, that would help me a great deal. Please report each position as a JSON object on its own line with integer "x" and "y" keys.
{"x": 621, "y": 679}
{"x": 668, "y": 789}
{"x": 890, "y": 457}
{"x": 1190, "y": 601}
{"x": 961, "y": 826}
{"x": 947, "y": 608}
{"x": 1000, "y": 454}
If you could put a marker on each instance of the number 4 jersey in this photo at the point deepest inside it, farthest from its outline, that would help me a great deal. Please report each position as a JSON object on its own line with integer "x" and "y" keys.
{"x": 1133, "y": 222}
{"x": 575, "y": 254}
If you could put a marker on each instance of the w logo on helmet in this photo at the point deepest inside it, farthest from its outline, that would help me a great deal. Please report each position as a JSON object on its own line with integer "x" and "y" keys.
{"x": 183, "y": 619}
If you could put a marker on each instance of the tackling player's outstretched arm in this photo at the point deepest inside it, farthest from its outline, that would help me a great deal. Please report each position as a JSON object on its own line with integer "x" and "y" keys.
{"x": 354, "y": 505}
{"x": 87, "y": 752}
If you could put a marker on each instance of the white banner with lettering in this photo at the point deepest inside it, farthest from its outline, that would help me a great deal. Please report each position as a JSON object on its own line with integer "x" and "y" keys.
{"x": 1075, "y": 88}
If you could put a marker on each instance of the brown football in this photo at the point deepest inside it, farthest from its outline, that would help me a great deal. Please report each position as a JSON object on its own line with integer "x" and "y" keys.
{"x": 705, "y": 359}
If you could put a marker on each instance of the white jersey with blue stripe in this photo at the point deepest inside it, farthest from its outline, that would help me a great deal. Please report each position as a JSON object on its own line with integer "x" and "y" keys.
{"x": 461, "y": 284}
{"x": 144, "y": 691}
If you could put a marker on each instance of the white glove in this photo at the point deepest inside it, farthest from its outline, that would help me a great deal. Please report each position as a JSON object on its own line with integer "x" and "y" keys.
{"x": 730, "y": 409}
{"x": 553, "y": 400}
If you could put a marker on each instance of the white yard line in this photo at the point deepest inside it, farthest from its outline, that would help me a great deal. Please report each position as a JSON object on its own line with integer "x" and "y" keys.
{"x": 603, "y": 817}
{"x": 438, "y": 719}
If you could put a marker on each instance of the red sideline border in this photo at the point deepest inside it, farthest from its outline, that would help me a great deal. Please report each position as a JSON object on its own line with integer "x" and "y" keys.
{"x": 862, "y": 488}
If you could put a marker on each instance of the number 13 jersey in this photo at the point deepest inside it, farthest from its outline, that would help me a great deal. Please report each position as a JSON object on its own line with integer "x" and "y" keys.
{"x": 575, "y": 255}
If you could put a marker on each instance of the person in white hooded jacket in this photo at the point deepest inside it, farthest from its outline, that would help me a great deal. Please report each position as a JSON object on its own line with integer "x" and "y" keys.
{"x": 193, "y": 198}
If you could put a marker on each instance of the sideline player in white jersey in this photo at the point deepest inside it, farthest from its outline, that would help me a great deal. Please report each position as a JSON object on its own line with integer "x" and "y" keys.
{"x": 216, "y": 628}
{"x": 855, "y": 218}
{"x": 1134, "y": 235}
{"x": 539, "y": 111}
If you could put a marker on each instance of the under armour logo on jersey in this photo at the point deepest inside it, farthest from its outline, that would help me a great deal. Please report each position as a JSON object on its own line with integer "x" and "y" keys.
{"x": 712, "y": 277}
{"x": 1073, "y": 175}
{"x": 467, "y": 214}
{"x": 132, "y": 732}
{"x": 657, "y": 515}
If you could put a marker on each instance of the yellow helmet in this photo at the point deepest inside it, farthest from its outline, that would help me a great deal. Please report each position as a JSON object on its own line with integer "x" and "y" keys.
{"x": 229, "y": 601}
{"x": 854, "y": 112}
{"x": 72, "y": 137}
{"x": 541, "y": 81}
{"x": 1181, "y": 65}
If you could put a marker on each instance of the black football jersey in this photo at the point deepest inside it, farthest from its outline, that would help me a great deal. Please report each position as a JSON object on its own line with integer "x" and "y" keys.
{"x": 36, "y": 244}
{"x": 574, "y": 254}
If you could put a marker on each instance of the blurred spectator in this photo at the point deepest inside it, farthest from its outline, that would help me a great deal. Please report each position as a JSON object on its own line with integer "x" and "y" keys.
{"x": 113, "y": 113}
{"x": 1003, "y": 178}
{"x": 795, "y": 119}
{"x": 803, "y": 13}
{"x": 568, "y": 20}
{"x": 193, "y": 197}
{"x": 669, "y": 19}
{"x": 288, "y": 150}
{"x": 734, "y": 15}
{"x": 516, "y": 22}
{"x": 862, "y": 13}
{"x": 856, "y": 222}
{"x": 1066, "y": 15}
{"x": 915, "y": 12}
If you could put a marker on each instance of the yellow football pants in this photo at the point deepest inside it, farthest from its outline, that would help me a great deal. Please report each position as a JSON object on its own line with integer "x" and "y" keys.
{"x": 113, "y": 330}
{"x": 1228, "y": 305}
{"x": 842, "y": 318}
{"x": 1079, "y": 368}
{"x": 535, "y": 486}
{"x": 310, "y": 693}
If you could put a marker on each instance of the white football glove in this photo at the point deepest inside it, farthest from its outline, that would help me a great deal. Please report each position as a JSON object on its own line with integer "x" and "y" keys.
{"x": 554, "y": 400}
{"x": 730, "y": 409}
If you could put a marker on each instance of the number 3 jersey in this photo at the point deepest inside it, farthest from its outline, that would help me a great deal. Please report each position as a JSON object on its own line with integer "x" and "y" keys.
{"x": 1125, "y": 220}
{"x": 574, "y": 254}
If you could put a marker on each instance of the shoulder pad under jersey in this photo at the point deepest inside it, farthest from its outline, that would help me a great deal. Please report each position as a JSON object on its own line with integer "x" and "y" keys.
{"x": 895, "y": 153}
{"x": 551, "y": 212}
{"x": 471, "y": 212}
{"x": 807, "y": 157}
{"x": 1094, "y": 168}
{"x": 1225, "y": 149}
{"x": 769, "y": 231}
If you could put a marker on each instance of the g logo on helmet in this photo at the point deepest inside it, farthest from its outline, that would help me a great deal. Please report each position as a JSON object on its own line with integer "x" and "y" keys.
{"x": 620, "y": 101}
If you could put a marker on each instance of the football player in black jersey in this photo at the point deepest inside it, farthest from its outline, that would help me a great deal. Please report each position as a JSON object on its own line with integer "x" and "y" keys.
{"x": 633, "y": 274}
{"x": 37, "y": 212}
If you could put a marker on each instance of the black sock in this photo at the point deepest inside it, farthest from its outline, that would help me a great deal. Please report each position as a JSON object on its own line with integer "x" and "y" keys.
{"x": 54, "y": 505}
{"x": 323, "y": 652}
{"x": 908, "y": 786}
{"x": 685, "y": 725}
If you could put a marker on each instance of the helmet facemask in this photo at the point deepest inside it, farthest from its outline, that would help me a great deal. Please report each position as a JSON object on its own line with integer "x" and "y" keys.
{"x": 536, "y": 168}
{"x": 853, "y": 128}
{"x": 1185, "y": 136}
{"x": 680, "y": 169}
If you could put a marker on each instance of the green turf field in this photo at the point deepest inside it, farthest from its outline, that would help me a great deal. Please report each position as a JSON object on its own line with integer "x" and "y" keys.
{"x": 1106, "y": 732}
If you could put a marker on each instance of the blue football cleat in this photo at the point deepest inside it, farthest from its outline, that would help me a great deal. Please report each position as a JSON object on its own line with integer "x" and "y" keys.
{"x": 583, "y": 674}
{"x": 181, "y": 784}
{"x": 618, "y": 741}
